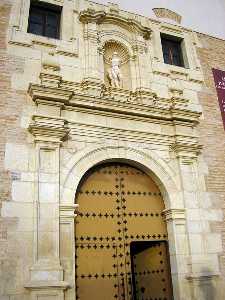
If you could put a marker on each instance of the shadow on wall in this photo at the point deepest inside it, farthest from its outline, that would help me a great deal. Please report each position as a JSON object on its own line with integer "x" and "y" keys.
{"x": 207, "y": 289}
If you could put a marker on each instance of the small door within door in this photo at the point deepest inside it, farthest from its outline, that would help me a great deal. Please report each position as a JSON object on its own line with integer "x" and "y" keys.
{"x": 150, "y": 271}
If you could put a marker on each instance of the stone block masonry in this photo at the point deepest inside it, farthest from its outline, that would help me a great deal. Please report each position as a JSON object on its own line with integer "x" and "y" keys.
{"x": 58, "y": 118}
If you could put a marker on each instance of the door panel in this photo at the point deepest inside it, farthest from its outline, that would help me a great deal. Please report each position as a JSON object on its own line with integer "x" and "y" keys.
{"x": 151, "y": 274}
{"x": 96, "y": 272}
{"x": 118, "y": 205}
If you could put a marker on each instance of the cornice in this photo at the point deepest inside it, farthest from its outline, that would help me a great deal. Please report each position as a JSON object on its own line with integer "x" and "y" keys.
{"x": 99, "y": 17}
{"x": 141, "y": 103}
{"x": 48, "y": 93}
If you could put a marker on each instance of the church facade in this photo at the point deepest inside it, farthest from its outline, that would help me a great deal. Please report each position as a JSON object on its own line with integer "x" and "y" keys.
{"x": 112, "y": 155}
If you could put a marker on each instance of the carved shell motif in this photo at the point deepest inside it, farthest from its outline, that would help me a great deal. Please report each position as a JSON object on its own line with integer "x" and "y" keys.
{"x": 111, "y": 47}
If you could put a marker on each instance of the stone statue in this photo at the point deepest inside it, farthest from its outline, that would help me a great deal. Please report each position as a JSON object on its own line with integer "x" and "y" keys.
{"x": 114, "y": 74}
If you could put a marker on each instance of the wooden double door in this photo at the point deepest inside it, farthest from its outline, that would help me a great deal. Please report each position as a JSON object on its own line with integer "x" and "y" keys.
{"x": 121, "y": 237}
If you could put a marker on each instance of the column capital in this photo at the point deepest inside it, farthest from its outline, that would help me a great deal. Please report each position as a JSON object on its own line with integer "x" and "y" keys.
{"x": 68, "y": 212}
{"x": 48, "y": 129}
{"x": 175, "y": 214}
{"x": 187, "y": 152}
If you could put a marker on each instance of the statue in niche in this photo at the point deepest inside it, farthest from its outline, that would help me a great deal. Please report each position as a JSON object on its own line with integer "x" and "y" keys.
{"x": 114, "y": 74}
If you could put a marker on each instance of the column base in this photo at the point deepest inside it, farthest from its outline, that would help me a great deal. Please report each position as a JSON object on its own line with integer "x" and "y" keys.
{"x": 46, "y": 280}
{"x": 46, "y": 270}
{"x": 47, "y": 290}
{"x": 203, "y": 286}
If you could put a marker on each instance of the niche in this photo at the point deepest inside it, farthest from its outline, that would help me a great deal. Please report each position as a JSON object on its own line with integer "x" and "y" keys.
{"x": 118, "y": 50}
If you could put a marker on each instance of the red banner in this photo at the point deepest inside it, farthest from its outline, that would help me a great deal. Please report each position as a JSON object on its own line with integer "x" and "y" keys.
{"x": 219, "y": 78}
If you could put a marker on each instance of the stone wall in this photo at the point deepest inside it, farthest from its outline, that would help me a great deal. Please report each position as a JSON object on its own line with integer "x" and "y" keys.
{"x": 211, "y": 132}
{"x": 11, "y": 106}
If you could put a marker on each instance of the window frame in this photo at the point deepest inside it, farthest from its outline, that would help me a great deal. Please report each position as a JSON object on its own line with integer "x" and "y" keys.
{"x": 177, "y": 50}
{"x": 45, "y": 9}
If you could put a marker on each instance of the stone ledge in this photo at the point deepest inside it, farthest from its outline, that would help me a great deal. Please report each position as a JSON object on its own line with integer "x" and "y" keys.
{"x": 201, "y": 277}
{"x": 37, "y": 285}
{"x": 60, "y": 47}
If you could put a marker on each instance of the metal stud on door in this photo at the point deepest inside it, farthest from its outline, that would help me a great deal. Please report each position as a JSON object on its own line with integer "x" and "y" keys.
{"x": 119, "y": 206}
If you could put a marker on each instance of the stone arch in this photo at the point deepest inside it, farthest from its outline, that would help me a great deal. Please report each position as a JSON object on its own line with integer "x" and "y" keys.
{"x": 149, "y": 162}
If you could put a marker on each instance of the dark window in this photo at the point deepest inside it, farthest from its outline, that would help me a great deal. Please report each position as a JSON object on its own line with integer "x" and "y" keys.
{"x": 44, "y": 19}
{"x": 172, "y": 52}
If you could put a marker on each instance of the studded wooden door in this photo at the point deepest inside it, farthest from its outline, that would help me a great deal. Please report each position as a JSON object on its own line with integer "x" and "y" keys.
{"x": 118, "y": 205}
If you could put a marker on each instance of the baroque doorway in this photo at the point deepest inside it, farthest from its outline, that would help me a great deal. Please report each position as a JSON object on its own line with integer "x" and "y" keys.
{"x": 121, "y": 236}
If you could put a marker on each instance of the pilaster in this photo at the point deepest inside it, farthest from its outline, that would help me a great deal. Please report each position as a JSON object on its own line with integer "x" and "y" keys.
{"x": 200, "y": 273}
{"x": 48, "y": 130}
{"x": 141, "y": 59}
{"x": 178, "y": 248}
{"x": 90, "y": 34}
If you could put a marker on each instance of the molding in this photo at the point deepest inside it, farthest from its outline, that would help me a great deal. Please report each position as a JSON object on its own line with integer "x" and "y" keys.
{"x": 46, "y": 285}
{"x": 99, "y": 17}
{"x": 60, "y": 47}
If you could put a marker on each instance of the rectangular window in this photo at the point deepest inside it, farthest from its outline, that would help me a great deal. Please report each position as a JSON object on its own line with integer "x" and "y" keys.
{"x": 172, "y": 50}
{"x": 44, "y": 19}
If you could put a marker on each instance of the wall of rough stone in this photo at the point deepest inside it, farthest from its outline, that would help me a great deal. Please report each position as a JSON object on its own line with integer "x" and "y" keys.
{"x": 211, "y": 131}
{"x": 11, "y": 106}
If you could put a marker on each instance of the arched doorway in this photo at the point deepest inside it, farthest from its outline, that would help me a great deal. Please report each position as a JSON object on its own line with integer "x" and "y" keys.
{"x": 121, "y": 236}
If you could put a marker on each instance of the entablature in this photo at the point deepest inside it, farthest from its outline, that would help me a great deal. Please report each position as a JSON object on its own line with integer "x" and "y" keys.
{"x": 143, "y": 103}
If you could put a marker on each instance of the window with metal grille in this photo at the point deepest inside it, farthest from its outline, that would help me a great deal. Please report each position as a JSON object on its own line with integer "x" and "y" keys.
{"x": 172, "y": 50}
{"x": 44, "y": 19}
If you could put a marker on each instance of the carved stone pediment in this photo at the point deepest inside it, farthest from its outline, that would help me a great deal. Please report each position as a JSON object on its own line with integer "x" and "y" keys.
{"x": 99, "y": 17}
